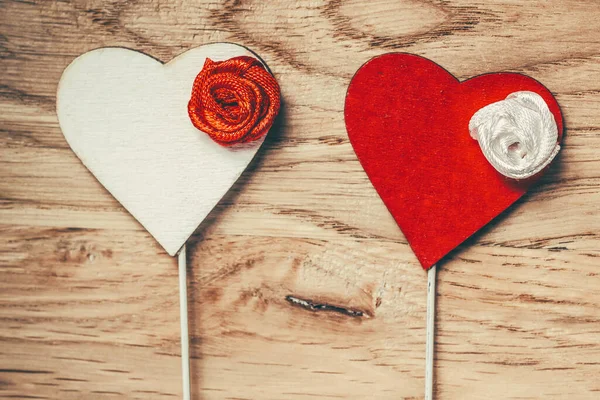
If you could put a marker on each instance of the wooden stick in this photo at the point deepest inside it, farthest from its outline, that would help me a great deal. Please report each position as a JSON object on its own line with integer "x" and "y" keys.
{"x": 430, "y": 333}
{"x": 183, "y": 317}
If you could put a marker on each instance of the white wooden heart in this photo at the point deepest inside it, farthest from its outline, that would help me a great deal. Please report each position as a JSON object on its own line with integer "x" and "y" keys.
{"x": 125, "y": 116}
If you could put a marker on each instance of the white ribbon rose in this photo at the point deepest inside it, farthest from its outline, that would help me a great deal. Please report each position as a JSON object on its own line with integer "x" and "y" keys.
{"x": 518, "y": 135}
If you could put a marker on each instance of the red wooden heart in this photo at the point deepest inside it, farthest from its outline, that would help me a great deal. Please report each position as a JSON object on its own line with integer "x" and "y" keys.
{"x": 407, "y": 119}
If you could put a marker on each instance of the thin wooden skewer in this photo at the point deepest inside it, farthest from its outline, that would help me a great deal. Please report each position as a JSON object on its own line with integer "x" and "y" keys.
{"x": 183, "y": 317}
{"x": 430, "y": 333}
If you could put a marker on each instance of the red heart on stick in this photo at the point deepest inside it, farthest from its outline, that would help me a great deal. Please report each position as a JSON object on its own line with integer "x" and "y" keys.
{"x": 408, "y": 121}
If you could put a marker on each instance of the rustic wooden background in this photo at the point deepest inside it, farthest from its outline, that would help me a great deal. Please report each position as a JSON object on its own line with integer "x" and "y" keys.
{"x": 88, "y": 300}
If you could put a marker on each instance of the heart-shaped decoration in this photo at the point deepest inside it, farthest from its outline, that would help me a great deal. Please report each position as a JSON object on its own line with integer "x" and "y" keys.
{"x": 408, "y": 121}
{"x": 125, "y": 115}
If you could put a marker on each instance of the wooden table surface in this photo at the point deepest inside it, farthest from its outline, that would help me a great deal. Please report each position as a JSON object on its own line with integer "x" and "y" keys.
{"x": 88, "y": 300}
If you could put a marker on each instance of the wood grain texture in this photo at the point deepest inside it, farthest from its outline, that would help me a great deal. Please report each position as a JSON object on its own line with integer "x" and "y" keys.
{"x": 301, "y": 285}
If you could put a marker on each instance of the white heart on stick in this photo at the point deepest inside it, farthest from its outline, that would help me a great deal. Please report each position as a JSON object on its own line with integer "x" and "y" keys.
{"x": 125, "y": 116}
